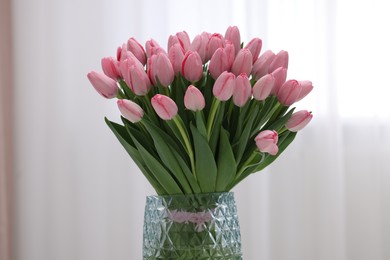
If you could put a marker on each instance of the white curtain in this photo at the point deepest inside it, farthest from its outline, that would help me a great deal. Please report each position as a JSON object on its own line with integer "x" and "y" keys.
{"x": 79, "y": 196}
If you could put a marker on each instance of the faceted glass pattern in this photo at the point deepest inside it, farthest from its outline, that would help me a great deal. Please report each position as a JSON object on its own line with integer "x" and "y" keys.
{"x": 196, "y": 226}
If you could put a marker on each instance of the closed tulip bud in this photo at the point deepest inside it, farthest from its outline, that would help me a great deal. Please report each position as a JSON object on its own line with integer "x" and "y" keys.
{"x": 137, "y": 80}
{"x": 242, "y": 90}
{"x": 216, "y": 41}
{"x": 224, "y": 86}
{"x": 280, "y": 60}
{"x": 137, "y": 49}
{"x": 307, "y": 87}
{"x": 242, "y": 63}
{"x": 233, "y": 34}
{"x": 153, "y": 48}
{"x": 218, "y": 63}
{"x": 176, "y": 56}
{"x": 130, "y": 110}
{"x": 254, "y": 46}
{"x": 298, "y": 120}
{"x": 110, "y": 67}
{"x": 164, "y": 106}
{"x": 263, "y": 87}
{"x": 118, "y": 53}
{"x": 103, "y": 84}
{"x": 184, "y": 40}
{"x": 199, "y": 44}
{"x": 160, "y": 70}
{"x": 193, "y": 99}
{"x": 261, "y": 66}
{"x": 280, "y": 75}
{"x": 267, "y": 141}
{"x": 289, "y": 92}
{"x": 192, "y": 67}
{"x": 230, "y": 52}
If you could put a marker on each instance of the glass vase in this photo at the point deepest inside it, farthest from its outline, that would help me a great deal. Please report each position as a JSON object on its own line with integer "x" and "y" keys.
{"x": 195, "y": 226}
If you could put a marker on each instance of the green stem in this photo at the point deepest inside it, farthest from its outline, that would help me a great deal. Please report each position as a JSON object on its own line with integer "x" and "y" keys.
{"x": 210, "y": 120}
{"x": 246, "y": 164}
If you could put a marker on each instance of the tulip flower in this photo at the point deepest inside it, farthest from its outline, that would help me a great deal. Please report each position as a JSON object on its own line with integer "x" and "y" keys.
{"x": 184, "y": 40}
{"x": 130, "y": 110}
{"x": 242, "y": 63}
{"x": 176, "y": 56}
{"x": 242, "y": 90}
{"x": 280, "y": 75}
{"x": 307, "y": 87}
{"x": 193, "y": 99}
{"x": 261, "y": 66}
{"x": 233, "y": 34}
{"x": 289, "y": 92}
{"x": 110, "y": 67}
{"x": 160, "y": 70}
{"x": 263, "y": 87}
{"x": 254, "y": 46}
{"x": 298, "y": 120}
{"x": 267, "y": 141}
{"x": 152, "y": 47}
{"x": 199, "y": 44}
{"x": 137, "y": 49}
{"x": 280, "y": 60}
{"x": 224, "y": 86}
{"x": 192, "y": 67}
{"x": 164, "y": 106}
{"x": 216, "y": 41}
{"x": 218, "y": 63}
{"x": 104, "y": 85}
{"x": 230, "y": 52}
{"x": 137, "y": 80}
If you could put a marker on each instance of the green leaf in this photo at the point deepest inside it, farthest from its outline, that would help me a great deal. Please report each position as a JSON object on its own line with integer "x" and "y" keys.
{"x": 205, "y": 166}
{"x": 227, "y": 166}
{"x": 200, "y": 123}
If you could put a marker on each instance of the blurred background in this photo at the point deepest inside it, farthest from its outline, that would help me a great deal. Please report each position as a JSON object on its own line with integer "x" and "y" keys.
{"x": 68, "y": 190}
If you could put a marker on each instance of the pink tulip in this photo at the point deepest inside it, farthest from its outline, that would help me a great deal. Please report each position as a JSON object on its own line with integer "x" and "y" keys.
{"x": 160, "y": 70}
{"x": 136, "y": 79}
{"x": 280, "y": 60}
{"x": 110, "y": 67}
{"x": 289, "y": 92}
{"x": 137, "y": 49}
{"x": 118, "y": 53}
{"x": 233, "y": 35}
{"x": 267, "y": 141}
{"x": 261, "y": 66}
{"x": 307, "y": 87}
{"x": 254, "y": 46}
{"x": 216, "y": 41}
{"x": 104, "y": 85}
{"x": 164, "y": 106}
{"x": 230, "y": 52}
{"x": 263, "y": 87}
{"x": 152, "y": 47}
{"x": 224, "y": 86}
{"x": 192, "y": 67}
{"x": 199, "y": 44}
{"x": 184, "y": 40}
{"x": 242, "y": 90}
{"x": 193, "y": 99}
{"x": 280, "y": 75}
{"x": 128, "y": 60}
{"x": 176, "y": 56}
{"x": 218, "y": 63}
{"x": 130, "y": 110}
{"x": 298, "y": 120}
{"x": 242, "y": 63}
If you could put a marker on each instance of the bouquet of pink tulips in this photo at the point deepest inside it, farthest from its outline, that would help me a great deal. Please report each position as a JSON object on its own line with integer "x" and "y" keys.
{"x": 205, "y": 114}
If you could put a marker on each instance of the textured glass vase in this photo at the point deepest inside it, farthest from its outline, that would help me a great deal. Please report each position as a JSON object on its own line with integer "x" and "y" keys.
{"x": 196, "y": 226}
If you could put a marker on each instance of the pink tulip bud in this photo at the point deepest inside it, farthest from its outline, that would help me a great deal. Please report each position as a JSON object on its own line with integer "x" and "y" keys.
{"x": 307, "y": 87}
{"x": 172, "y": 40}
{"x": 137, "y": 49}
{"x": 110, "y": 67}
{"x": 192, "y": 67}
{"x": 152, "y": 48}
{"x": 136, "y": 79}
{"x": 176, "y": 56}
{"x": 118, "y": 53}
{"x": 254, "y": 46}
{"x": 261, "y": 66}
{"x": 218, "y": 63}
{"x": 230, "y": 52}
{"x": 267, "y": 141}
{"x": 280, "y": 60}
{"x": 224, "y": 86}
{"x": 193, "y": 99}
{"x": 184, "y": 40}
{"x": 130, "y": 110}
{"x": 216, "y": 41}
{"x": 289, "y": 92}
{"x": 242, "y": 90}
{"x": 160, "y": 70}
{"x": 233, "y": 34}
{"x": 298, "y": 120}
{"x": 242, "y": 63}
{"x": 263, "y": 87}
{"x": 103, "y": 84}
{"x": 280, "y": 75}
{"x": 164, "y": 106}
{"x": 199, "y": 44}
